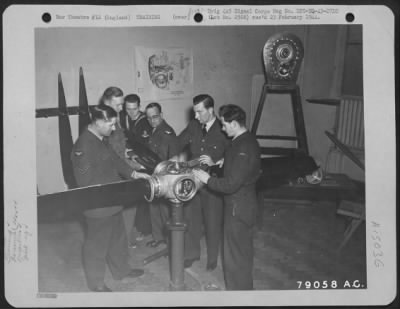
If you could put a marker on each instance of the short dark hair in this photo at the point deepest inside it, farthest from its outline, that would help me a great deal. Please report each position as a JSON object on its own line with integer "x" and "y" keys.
{"x": 232, "y": 112}
{"x": 132, "y": 98}
{"x": 207, "y": 100}
{"x": 102, "y": 112}
{"x": 154, "y": 104}
{"x": 109, "y": 93}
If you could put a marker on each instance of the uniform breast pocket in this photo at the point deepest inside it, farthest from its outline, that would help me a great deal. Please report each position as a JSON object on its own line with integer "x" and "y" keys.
{"x": 213, "y": 149}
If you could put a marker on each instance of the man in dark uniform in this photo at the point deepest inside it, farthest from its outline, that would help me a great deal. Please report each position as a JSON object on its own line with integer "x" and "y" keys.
{"x": 164, "y": 143}
{"x": 242, "y": 167}
{"x": 134, "y": 121}
{"x": 137, "y": 129}
{"x": 205, "y": 140}
{"x": 95, "y": 162}
{"x": 114, "y": 98}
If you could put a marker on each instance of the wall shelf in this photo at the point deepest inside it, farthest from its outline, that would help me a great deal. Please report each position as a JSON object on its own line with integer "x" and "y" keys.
{"x": 325, "y": 101}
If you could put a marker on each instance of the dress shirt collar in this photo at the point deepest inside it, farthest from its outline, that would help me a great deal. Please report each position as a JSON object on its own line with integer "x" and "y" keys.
{"x": 240, "y": 134}
{"x": 161, "y": 126}
{"x": 95, "y": 133}
{"x": 209, "y": 124}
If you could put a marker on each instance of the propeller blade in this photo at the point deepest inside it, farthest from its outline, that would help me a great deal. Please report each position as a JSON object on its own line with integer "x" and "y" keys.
{"x": 79, "y": 199}
{"x": 84, "y": 115}
{"x": 65, "y": 136}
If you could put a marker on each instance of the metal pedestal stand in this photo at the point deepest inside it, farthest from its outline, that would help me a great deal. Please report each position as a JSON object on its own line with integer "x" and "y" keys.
{"x": 175, "y": 182}
{"x": 175, "y": 248}
{"x": 177, "y": 231}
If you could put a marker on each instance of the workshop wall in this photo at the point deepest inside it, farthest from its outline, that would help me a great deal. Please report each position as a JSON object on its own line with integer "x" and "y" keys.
{"x": 225, "y": 61}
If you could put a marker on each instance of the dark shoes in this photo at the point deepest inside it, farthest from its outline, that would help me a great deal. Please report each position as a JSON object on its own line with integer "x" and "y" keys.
{"x": 188, "y": 262}
{"x": 211, "y": 266}
{"x": 132, "y": 245}
{"x": 132, "y": 275}
{"x": 102, "y": 288}
{"x": 140, "y": 237}
{"x": 155, "y": 243}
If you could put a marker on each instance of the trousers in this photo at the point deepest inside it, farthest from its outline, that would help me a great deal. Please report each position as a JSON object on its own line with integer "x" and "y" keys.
{"x": 142, "y": 218}
{"x": 238, "y": 253}
{"x": 159, "y": 214}
{"x": 204, "y": 210}
{"x": 105, "y": 244}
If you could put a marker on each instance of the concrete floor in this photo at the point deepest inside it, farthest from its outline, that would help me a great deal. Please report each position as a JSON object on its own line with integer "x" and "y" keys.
{"x": 294, "y": 241}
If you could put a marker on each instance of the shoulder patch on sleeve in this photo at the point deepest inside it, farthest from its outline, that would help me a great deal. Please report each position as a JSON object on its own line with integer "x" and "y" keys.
{"x": 168, "y": 132}
{"x": 80, "y": 161}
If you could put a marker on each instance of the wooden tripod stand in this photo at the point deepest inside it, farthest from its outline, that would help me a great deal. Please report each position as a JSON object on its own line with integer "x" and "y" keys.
{"x": 300, "y": 137}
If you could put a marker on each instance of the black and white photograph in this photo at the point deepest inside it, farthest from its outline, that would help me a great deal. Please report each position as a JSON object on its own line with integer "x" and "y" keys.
{"x": 235, "y": 150}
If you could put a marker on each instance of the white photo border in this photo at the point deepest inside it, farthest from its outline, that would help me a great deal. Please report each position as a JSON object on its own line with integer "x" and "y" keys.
{"x": 21, "y": 279}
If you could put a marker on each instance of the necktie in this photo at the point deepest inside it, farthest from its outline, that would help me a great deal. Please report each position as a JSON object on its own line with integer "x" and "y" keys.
{"x": 204, "y": 130}
{"x": 106, "y": 142}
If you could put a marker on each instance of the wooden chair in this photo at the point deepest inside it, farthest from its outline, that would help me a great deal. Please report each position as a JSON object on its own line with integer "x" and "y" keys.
{"x": 354, "y": 210}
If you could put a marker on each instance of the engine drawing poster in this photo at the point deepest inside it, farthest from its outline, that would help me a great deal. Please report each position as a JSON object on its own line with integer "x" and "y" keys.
{"x": 164, "y": 73}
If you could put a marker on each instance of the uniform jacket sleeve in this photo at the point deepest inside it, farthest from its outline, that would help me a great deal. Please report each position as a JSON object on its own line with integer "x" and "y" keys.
{"x": 185, "y": 137}
{"x": 95, "y": 162}
{"x": 173, "y": 145}
{"x": 82, "y": 165}
{"x": 86, "y": 168}
{"x": 118, "y": 141}
{"x": 123, "y": 168}
{"x": 233, "y": 179}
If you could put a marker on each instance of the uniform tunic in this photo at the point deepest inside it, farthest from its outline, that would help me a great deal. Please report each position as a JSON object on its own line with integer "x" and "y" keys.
{"x": 213, "y": 144}
{"x": 117, "y": 140}
{"x": 206, "y": 206}
{"x": 94, "y": 162}
{"x": 138, "y": 130}
{"x": 242, "y": 167}
{"x": 164, "y": 143}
